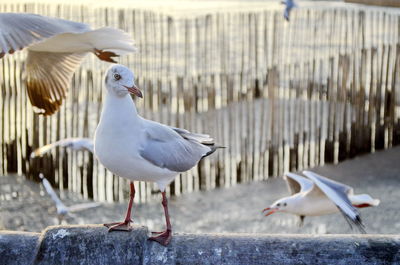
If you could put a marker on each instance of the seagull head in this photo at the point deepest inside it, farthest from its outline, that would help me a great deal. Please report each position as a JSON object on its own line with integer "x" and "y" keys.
{"x": 120, "y": 81}
{"x": 281, "y": 205}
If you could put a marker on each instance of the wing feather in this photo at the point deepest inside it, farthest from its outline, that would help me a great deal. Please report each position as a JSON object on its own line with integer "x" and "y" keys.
{"x": 297, "y": 183}
{"x": 53, "y": 195}
{"x": 338, "y": 195}
{"x": 48, "y": 78}
{"x": 166, "y": 148}
{"x": 19, "y": 30}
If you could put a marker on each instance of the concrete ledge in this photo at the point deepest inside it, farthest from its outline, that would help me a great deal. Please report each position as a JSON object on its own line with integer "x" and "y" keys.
{"x": 92, "y": 244}
{"x": 18, "y": 247}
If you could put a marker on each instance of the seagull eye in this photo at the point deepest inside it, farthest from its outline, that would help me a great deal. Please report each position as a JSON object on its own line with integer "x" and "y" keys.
{"x": 117, "y": 77}
{"x": 278, "y": 204}
{"x": 285, "y": 204}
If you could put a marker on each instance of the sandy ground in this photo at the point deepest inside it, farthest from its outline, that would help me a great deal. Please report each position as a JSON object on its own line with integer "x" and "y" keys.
{"x": 25, "y": 206}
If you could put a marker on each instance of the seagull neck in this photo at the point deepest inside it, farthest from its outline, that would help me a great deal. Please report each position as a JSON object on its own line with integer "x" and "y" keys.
{"x": 123, "y": 106}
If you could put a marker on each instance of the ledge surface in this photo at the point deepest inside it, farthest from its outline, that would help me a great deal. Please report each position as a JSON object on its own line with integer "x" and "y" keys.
{"x": 93, "y": 244}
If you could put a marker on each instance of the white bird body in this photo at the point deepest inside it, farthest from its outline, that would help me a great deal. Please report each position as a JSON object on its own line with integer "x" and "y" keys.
{"x": 125, "y": 144}
{"x": 56, "y": 48}
{"x": 116, "y": 138}
{"x": 318, "y": 195}
{"x": 312, "y": 205}
{"x": 138, "y": 149}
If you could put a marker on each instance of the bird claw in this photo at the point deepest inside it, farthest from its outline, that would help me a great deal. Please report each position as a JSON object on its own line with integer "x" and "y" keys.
{"x": 121, "y": 226}
{"x": 105, "y": 56}
{"x": 163, "y": 238}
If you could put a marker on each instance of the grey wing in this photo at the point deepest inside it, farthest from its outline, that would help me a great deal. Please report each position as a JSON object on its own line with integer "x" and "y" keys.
{"x": 19, "y": 30}
{"x": 48, "y": 78}
{"x": 338, "y": 195}
{"x": 166, "y": 148}
{"x": 297, "y": 183}
{"x": 343, "y": 188}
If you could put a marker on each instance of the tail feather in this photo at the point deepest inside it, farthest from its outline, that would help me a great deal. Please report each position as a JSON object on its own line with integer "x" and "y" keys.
{"x": 213, "y": 149}
{"x": 111, "y": 39}
{"x": 363, "y": 199}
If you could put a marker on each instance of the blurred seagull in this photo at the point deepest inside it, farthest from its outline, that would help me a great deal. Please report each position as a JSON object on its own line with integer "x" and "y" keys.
{"x": 63, "y": 210}
{"x": 56, "y": 48}
{"x": 143, "y": 150}
{"x": 318, "y": 195}
{"x": 76, "y": 144}
{"x": 290, "y": 4}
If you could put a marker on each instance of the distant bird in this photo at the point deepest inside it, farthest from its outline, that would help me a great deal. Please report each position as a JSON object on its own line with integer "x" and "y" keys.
{"x": 76, "y": 144}
{"x": 139, "y": 149}
{"x": 319, "y": 195}
{"x": 63, "y": 210}
{"x": 56, "y": 48}
{"x": 290, "y": 4}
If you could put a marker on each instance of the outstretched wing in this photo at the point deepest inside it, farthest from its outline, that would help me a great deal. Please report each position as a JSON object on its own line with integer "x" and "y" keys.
{"x": 19, "y": 30}
{"x": 166, "y": 148}
{"x": 61, "y": 208}
{"x": 297, "y": 183}
{"x": 338, "y": 194}
{"x": 48, "y": 78}
{"x": 77, "y": 143}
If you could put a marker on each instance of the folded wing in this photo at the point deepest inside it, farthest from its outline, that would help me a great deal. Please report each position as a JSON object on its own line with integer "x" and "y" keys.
{"x": 167, "y": 148}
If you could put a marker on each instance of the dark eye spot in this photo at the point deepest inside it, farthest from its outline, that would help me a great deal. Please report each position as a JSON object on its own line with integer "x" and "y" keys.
{"x": 285, "y": 204}
{"x": 117, "y": 77}
{"x": 278, "y": 204}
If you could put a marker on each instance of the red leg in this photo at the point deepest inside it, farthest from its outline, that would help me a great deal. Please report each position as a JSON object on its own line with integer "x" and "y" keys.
{"x": 125, "y": 225}
{"x": 105, "y": 56}
{"x": 164, "y": 237}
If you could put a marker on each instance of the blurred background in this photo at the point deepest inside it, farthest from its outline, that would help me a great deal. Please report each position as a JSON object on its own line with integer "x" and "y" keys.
{"x": 282, "y": 95}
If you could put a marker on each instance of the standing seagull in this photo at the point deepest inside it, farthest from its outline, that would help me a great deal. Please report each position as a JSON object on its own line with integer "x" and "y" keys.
{"x": 76, "y": 144}
{"x": 139, "y": 149}
{"x": 290, "y": 4}
{"x": 320, "y": 196}
{"x": 62, "y": 209}
{"x": 56, "y": 48}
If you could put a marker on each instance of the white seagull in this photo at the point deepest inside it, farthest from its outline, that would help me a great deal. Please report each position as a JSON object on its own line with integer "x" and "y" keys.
{"x": 290, "y": 4}
{"x": 56, "y": 48}
{"x": 143, "y": 150}
{"x": 319, "y": 195}
{"x": 62, "y": 209}
{"x": 76, "y": 144}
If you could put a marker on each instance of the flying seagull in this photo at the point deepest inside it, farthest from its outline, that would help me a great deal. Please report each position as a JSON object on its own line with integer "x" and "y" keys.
{"x": 318, "y": 195}
{"x": 143, "y": 150}
{"x": 76, "y": 144}
{"x": 62, "y": 209}
{"x": 56, "y": 48}
{"x": 290, "y": 4}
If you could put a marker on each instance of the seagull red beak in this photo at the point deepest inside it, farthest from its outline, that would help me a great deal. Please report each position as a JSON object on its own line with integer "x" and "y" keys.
{"x": 271, "y": 210}
{"x": 134, "y": 90}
